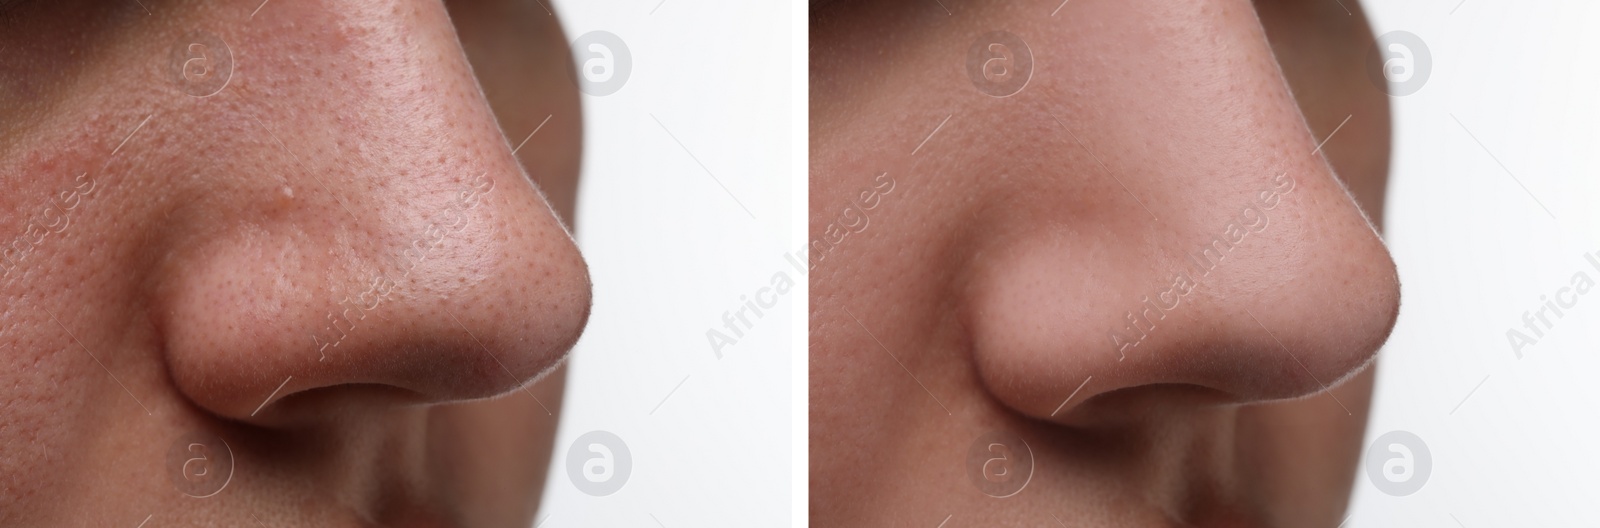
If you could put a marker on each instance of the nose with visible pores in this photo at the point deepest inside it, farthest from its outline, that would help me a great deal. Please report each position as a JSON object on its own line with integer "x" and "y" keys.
{"x": 407, "y": 260}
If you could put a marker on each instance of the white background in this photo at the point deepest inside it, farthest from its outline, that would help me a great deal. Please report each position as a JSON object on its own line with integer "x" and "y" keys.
{"x": 670, "y": 251}
{"x": 1476, "y": 251}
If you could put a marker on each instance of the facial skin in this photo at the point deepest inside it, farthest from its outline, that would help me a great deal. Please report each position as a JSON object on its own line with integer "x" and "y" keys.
{"x": 983, "y": 290}
{"x": 333, "y": 264}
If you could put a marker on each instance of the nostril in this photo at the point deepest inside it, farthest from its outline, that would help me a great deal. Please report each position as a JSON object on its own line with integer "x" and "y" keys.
{"x": 1139, "y": 404}
{"x": 291, "y": 406}
{"x": 440, "y": 361}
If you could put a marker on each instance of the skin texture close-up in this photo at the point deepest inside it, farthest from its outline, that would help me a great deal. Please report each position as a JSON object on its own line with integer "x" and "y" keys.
{"x": 279, "y": 264}
{"x": 1128, "y": 275}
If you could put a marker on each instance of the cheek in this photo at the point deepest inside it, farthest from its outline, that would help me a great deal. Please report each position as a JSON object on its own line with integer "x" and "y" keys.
{"x": 62, "y": 247}
{"x": 59, "y": 413}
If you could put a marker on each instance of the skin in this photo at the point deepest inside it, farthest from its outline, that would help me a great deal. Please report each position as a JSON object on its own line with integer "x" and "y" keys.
{"x": 983, "y": 291}
{"x": 210, "y": 238}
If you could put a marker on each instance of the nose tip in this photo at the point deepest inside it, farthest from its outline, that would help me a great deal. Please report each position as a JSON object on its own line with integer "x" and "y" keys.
{"x": 487, "y": 295}
{"x": 1284, "y": 309}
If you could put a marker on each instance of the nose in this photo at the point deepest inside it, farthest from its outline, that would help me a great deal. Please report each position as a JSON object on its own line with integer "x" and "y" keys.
{"x": 374, "y": 245}
{"x": 1230, "y": 266}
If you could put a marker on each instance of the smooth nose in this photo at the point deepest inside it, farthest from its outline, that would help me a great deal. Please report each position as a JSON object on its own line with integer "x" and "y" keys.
{"x": 380, "y": 246}
{"x": 1233, "y": 266}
